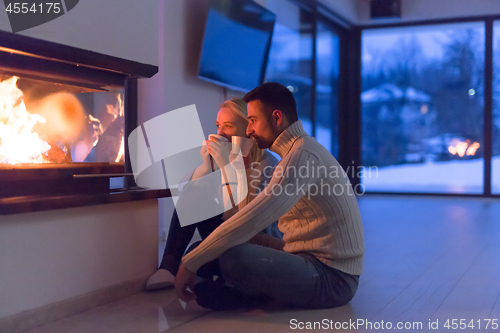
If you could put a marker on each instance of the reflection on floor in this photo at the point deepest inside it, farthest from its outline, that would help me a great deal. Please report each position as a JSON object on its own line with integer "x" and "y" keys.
{"x": 427, "y": 260}
{"x": 144, "y": 312}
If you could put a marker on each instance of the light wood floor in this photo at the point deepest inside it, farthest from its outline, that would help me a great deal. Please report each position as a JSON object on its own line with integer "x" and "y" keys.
{"x": 427, "y": 259}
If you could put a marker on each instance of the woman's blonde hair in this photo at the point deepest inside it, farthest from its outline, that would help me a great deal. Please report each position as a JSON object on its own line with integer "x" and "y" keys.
{"x": 239, "y": 107}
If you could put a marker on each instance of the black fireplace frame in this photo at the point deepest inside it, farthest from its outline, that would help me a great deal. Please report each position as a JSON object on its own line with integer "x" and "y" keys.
{"x": 56, "y": 186}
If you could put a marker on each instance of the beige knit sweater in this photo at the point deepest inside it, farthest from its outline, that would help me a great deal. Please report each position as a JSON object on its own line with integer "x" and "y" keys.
{"x": 314, "y": 201}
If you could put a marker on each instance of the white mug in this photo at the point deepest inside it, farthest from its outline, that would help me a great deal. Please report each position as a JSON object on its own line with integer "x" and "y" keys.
{"x": 245, "y": 144}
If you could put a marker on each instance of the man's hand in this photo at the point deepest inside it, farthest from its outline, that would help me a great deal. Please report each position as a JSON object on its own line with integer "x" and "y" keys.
{"x": 183, "y": 280}
{"x": 240, "y": 162}
{"x": 248, "y": 160}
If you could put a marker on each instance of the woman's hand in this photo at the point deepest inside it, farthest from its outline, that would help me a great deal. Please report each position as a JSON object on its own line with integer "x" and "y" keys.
{"x": 205, "y": 155}
{"x": 206, "y": 167}
{"x": 220, "y": 152}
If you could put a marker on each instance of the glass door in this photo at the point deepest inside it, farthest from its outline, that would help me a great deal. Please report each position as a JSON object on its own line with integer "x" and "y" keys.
{"x": 327, "y": 69}
{"x": 423, "y": 109}
{"x": 290, "y": 57}
{"x": 495, "y": 163}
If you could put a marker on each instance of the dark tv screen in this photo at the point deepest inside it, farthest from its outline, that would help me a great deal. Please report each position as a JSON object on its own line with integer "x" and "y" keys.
{"x": 236, "y": 44}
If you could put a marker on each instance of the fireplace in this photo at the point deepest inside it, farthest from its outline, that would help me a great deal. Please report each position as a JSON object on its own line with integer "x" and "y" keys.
{"x": 65, "y": 115}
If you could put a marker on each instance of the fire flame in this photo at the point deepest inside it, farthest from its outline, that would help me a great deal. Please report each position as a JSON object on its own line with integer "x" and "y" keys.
{"x": 52, "y": 126}
{"x": 18, "y": 142}
{"x": 122, "y": 151}
{"x": 97, "y": 126}
{"x": 117, "y": 110}
{"x": 463, "y": 148}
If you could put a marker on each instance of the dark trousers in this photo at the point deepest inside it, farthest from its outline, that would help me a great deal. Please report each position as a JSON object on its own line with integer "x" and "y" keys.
{"x": 179, "y": 237}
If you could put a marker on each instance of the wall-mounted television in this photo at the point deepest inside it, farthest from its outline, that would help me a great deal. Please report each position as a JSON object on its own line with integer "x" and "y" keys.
{"x": 236, "y": 44}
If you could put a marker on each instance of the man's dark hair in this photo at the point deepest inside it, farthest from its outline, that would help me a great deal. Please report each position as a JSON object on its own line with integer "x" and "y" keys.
{"x": 275, "y": 96}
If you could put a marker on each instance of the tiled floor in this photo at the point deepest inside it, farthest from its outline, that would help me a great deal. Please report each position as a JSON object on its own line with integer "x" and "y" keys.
{"x": 144, "y": 312}
{"x": 427, "y": 260}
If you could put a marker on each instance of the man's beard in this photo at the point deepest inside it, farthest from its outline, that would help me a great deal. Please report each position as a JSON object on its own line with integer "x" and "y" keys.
{"x": 263, "y": 144}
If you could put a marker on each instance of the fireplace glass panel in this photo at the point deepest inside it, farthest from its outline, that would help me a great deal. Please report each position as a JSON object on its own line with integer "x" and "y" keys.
{"x": 49, "y": 122}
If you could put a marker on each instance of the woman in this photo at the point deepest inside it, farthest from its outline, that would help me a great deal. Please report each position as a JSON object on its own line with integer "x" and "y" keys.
{"x": 231, "y": 121}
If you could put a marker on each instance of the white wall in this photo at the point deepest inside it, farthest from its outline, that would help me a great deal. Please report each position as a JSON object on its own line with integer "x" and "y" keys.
{"x": 52, "y": 256}
{"x": 181, "y": 29}
{"x": 56, "y": 255}
{"x": 358, "y": 11}
{"x": 47, "y": 257}
{"x": 121, "y": 28}
{"x": 432, "y": 9}
{"x": 345, "y": 8}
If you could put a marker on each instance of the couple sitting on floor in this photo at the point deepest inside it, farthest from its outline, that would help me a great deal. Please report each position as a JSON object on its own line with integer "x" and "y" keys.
{"x": 241, "y": 263}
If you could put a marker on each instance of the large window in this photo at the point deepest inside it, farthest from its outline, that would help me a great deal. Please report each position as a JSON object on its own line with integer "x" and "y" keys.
{"x": 495, "y": 163}
{"x": 423, "y": 108}
{"x": 327, "y": 68}
{"x": 290, "y": 57}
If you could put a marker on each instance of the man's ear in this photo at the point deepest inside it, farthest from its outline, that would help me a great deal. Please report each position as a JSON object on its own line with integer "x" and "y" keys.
{"x": 277, "y": 116}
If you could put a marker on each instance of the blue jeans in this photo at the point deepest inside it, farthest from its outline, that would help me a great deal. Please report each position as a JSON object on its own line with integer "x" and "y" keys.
{"x": 292, "y": 280}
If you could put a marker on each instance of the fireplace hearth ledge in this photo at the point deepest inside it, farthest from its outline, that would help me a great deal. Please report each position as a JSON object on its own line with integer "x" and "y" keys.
{"x": 28, "y": 204}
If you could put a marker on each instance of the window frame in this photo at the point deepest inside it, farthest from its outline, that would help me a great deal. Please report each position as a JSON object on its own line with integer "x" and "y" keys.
{"x": 350, "y": 88}
{"x": 344, "y": 30}
{"x": 355, "y": 145}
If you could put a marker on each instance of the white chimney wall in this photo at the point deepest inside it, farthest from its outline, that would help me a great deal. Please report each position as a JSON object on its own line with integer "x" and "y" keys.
{"x": 51, "y": 256}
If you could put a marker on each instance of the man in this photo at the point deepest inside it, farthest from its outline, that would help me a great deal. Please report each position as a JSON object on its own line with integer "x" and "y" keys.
{"x": 322, "y": 257}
